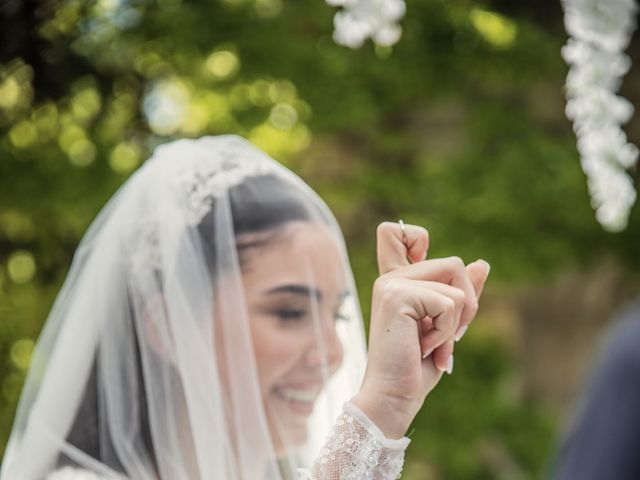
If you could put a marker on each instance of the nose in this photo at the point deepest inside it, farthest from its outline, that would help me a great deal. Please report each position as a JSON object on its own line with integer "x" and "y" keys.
{"x": 325, "y": 347}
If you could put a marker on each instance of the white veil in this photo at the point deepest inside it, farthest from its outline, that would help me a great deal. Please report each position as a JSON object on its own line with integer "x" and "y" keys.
{"x": 149, "y": 366}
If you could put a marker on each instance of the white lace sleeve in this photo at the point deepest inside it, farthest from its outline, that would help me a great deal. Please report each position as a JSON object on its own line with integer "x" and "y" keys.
{"x": 356, "y": 449}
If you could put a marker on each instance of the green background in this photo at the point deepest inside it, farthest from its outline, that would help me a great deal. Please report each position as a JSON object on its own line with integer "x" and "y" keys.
{"x": 459, "y": 127}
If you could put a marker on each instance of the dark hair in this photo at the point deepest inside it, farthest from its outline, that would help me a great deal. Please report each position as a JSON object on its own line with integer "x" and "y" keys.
{"x": 259, "y": 204}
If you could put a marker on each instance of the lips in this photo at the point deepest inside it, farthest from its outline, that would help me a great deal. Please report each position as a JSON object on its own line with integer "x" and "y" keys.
{"x": 299, "y": 400}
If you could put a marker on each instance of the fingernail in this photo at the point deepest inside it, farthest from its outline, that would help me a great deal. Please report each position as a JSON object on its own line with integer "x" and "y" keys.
{"x": 460, "y": 333}
{"x": 486, "y": 263}
{"x": 450, "y": 365}
{"x": 427, "y": 353}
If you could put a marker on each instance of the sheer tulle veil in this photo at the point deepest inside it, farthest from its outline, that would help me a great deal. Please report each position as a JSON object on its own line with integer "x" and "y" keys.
{"x": 155, "y": 364}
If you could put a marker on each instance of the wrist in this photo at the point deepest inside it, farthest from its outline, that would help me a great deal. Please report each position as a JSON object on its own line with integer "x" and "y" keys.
{"x": 390, "y": 415}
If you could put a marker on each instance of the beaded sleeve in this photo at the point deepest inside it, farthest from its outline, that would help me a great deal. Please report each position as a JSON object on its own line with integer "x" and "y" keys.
{"x": 357, "y": 449}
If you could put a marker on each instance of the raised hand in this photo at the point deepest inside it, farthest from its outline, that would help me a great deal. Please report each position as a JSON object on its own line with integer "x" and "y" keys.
{"x": 419, "y": 308}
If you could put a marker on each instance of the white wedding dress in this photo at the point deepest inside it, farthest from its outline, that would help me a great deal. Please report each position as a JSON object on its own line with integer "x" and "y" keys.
{"x": 356, "y": 449}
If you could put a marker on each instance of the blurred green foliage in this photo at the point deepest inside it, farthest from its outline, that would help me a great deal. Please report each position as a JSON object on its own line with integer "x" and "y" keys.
{"x": 459, "y": 127}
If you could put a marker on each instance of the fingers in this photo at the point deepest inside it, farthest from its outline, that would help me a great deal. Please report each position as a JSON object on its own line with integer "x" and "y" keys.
{"x": 441, "y": 352}
{"x": 478, "y": 273}
{"x": 418, "y": 300}
{"x": 443, "y": 357}
{"x": 436, "y": 307}
{"x": 442, "y": 294}
{"x": 394, "y": 250}
{"x": 451, "y": 278}
{"x": 451, "y": 271}
{"x": 433, "y": 339}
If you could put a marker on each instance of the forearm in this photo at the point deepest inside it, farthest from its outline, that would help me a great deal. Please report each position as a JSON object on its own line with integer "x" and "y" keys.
{"x": 392, "y": 417}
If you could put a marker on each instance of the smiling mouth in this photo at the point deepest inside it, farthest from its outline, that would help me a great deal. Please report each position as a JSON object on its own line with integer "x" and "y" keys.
{"x": 300, "y": 401}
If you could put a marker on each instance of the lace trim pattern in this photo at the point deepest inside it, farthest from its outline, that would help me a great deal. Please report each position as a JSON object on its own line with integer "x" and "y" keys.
{"x": 212, "y": 174}
{"x": 204, "y": 169}
{"x": 357, "y": 450}
{"x": 145, "y": 247}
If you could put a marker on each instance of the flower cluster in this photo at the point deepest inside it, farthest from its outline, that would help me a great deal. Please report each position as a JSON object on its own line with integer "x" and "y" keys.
{"x": 362, "y": 19}
{"x": 599, "y": 32}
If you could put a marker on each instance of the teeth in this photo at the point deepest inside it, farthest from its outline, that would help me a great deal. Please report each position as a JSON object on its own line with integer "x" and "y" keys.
{"x": 298, "y": 395}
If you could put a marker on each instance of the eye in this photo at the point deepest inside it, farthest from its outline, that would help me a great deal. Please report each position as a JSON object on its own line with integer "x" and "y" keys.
{"x": 290, "y": 314}
{"x": 339, "y": 316}
{"x": 341, "y": 312}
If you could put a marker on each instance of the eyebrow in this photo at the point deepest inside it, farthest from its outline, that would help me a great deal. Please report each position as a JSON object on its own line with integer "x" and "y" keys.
{"x": 304, "y": 291}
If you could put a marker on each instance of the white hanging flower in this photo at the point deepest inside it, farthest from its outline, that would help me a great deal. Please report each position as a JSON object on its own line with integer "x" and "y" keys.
{"x": 606, "y": 24}
{"x": 595, "y": 107}
{"x": 359, "y": 20}
{"x": 599, "y": 31}
{"x": 593, "y": 67}
{"x": 610, "y": 146}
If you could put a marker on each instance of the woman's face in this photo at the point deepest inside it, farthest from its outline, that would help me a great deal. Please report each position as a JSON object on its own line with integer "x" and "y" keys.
{"x": 295, "y": 285}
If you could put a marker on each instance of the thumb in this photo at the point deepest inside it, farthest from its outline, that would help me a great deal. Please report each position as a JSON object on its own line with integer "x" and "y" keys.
{"x": 396, "y": 248}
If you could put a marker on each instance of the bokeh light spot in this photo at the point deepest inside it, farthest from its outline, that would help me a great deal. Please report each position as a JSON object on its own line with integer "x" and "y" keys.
{"x": 46, "y": 120}
{"x": 15, "y": 226}
{"x": 21, "y": 352}
{"x": 16, "y": 91}
{"x": 283, "y": 116}
{"x": 86, "y": 104}
{"x": 165, "y": 106}
{"x": 260, "y": 94}
{"x": 281, "y": 143}
{"x": 268, "y": 8}
{"x": 125, "y": 157}
{"x": 496, "y": 29}
{"x": 223, "y": 63}
{"x": 21, "y": 267}
{"x": 82, "y": 152}
{"x": 9, "y": 93}
{"x": 23, "y": 134}
{"x": 70, "y": 134}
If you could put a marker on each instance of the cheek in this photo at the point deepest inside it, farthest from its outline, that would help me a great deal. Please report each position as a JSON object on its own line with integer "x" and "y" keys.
{"x": 277, "y": 350}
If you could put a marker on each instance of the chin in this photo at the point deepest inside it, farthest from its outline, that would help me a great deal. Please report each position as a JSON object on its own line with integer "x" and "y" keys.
{"x": 287, "y": 438}
{"x": 288, "y": 416}
{"x": 292, "y": 442}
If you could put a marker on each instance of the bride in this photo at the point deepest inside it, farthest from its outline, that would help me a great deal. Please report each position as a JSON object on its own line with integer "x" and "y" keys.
{"x": 209, "y": 329}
